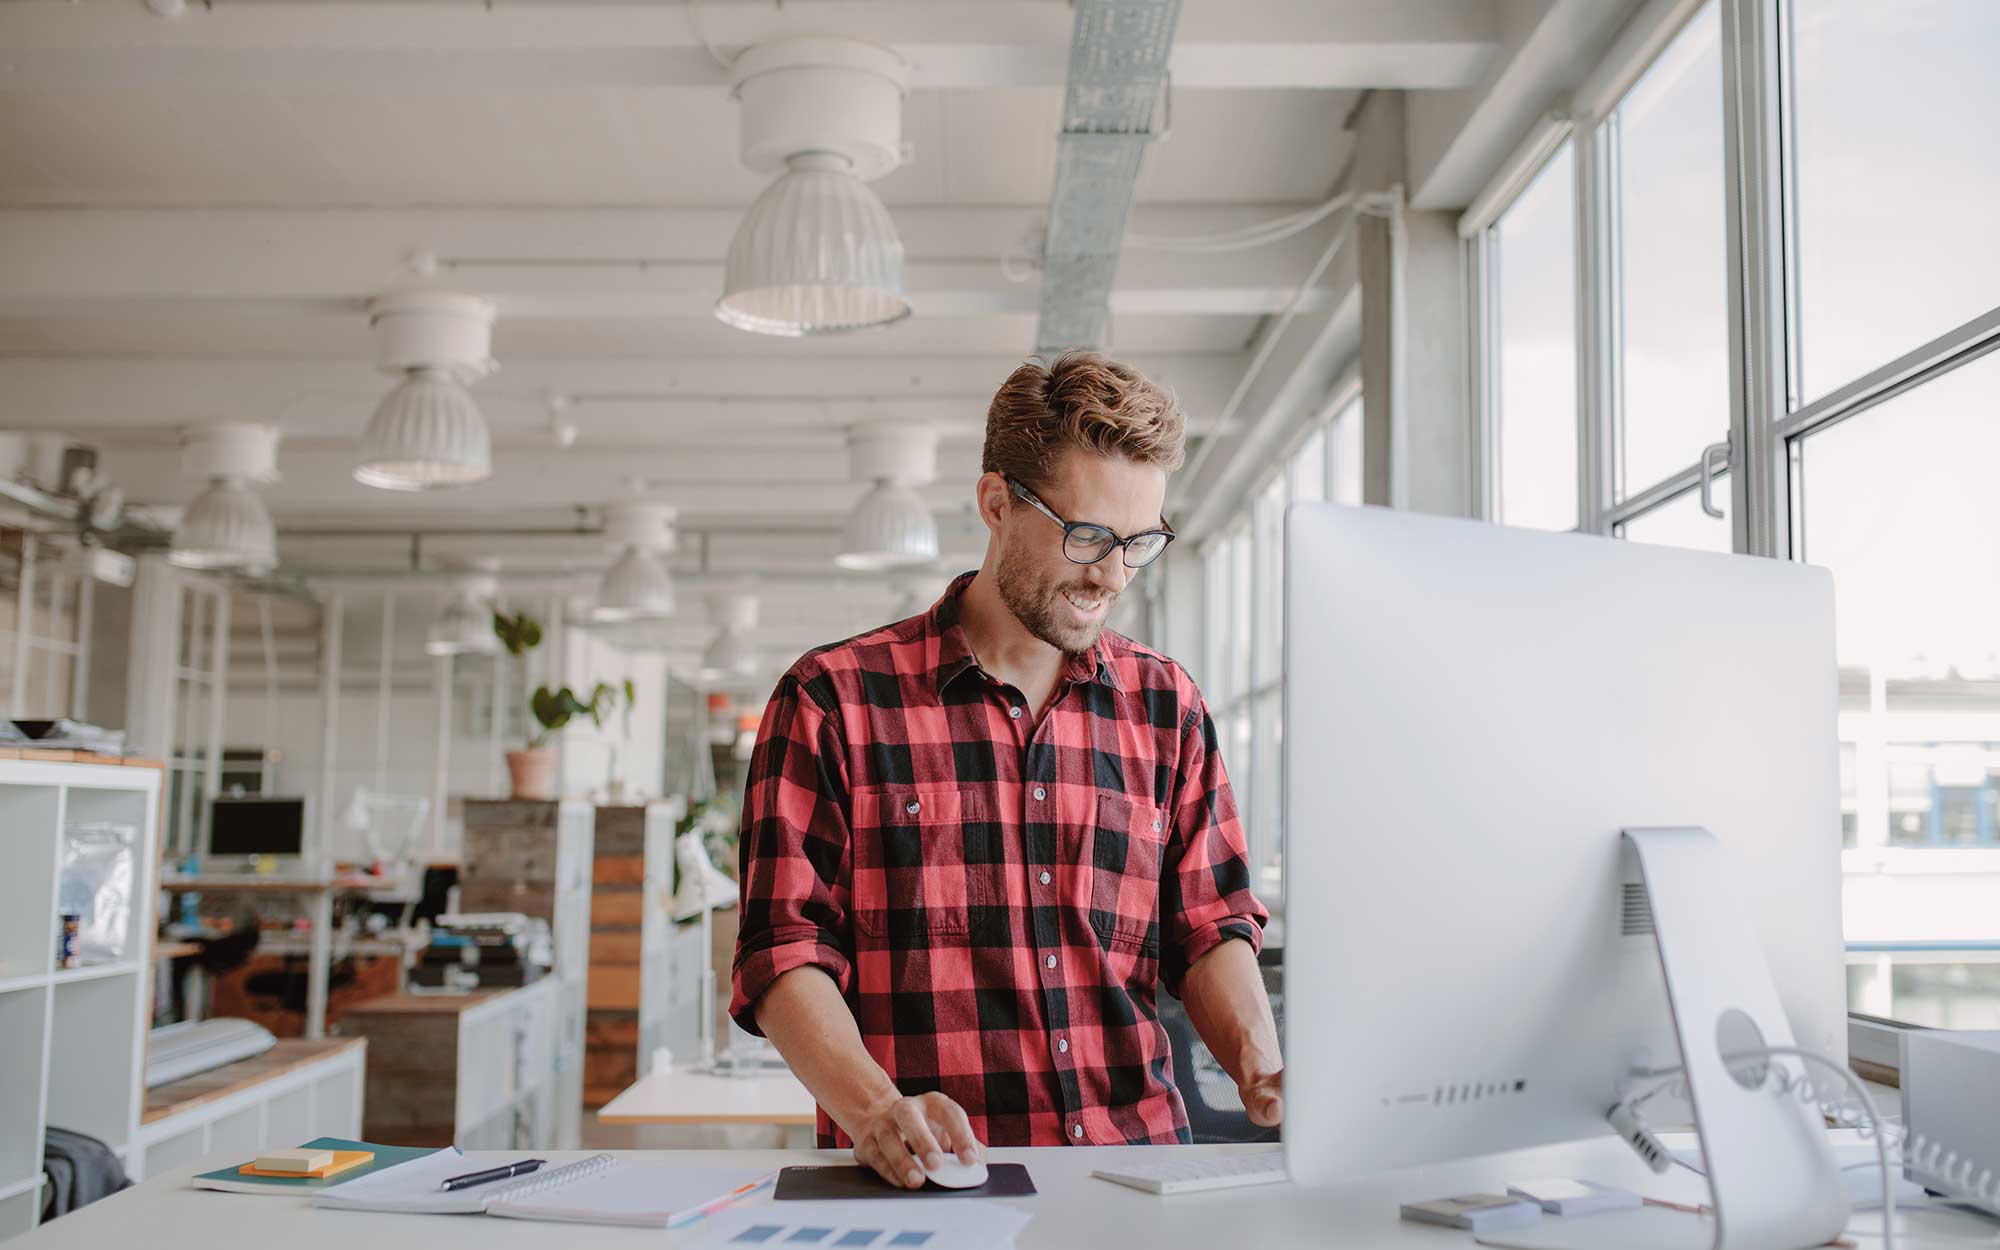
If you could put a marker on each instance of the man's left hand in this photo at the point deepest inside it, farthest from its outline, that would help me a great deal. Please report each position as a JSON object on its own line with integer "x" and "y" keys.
{"x": 1263, "y": 1092}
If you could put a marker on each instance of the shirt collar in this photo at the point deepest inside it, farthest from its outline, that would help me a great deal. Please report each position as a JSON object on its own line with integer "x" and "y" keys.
{"x": 954, "y": 652}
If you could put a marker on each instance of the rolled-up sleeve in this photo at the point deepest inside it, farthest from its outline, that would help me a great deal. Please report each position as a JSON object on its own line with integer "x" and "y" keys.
{"x": 793, "y": 849}
{"x": 1205, "y": 896}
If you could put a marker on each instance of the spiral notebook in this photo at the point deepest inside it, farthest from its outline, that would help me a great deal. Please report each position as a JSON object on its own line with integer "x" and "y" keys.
{"x": 597, "y": 1190}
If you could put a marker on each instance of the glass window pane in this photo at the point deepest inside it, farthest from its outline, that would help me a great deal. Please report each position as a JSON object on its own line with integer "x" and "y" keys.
{"x": 1237, "y": 659}
{"x": 1534, "y": 261}
{"x": 1307, "y": 473}
{"x": 1874, "y": 282}
{"x": 1675, "y": 361}
{"x": 1268, "y": 526}
{"x": 1236, "y": 756}
{"x": 1267, "y": 784}
{"x": 1680, "y": 522}
{"x": 1215, "y": 622}
{"x": 1344, "y": 456}
{"x": 1897, "y": 502}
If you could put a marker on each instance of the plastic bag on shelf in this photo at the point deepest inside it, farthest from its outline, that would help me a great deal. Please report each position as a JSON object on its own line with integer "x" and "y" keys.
{"x": 96, "y": 884}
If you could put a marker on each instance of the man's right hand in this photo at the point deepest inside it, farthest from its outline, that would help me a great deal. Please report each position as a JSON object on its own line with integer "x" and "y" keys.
{"x": 898, "y": 1137}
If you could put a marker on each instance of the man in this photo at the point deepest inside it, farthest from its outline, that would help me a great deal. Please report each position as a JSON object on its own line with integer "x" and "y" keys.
{"x": 975, "y": 841}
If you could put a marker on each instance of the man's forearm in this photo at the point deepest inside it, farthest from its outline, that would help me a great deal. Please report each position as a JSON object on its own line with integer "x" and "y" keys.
{"x": 1225, "y": 999}
{"x": 808, "y": 1021}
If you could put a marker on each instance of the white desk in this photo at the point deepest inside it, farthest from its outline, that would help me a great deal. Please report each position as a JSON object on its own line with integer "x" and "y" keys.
{"x": 1072, "y": 1210}
{"x": 685, "y": 1096}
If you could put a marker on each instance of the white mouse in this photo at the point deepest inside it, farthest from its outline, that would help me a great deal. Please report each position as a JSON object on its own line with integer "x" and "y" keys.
{"x": 952, "y": 1174}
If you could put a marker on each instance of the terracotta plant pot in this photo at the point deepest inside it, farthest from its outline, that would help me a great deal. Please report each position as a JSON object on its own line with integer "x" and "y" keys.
{"x": 533, "y": 772}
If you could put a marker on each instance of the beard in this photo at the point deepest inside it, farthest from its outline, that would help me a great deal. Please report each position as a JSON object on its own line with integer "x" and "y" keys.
{"x": 1040, "y": 607}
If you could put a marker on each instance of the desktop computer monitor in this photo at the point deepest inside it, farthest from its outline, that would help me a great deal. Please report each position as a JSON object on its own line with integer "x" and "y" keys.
{"x": 257, "y": 825}
{"x": 1472, "y": 716}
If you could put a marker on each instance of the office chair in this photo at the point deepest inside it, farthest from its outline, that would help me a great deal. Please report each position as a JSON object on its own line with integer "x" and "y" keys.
{"x": 1215, "y": 1111}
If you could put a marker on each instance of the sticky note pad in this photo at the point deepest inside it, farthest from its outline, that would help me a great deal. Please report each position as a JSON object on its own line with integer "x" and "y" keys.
{"x": 339, "y": 1161}
{"x": 293, "y": 1160}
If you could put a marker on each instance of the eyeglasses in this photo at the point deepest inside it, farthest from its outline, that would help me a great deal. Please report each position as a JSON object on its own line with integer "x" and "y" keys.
{"x": 1087, "y": 543}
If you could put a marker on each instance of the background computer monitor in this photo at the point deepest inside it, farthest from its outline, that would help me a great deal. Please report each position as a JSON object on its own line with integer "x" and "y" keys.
{"x": 1472, "y": 714}
{"x": 257, "y": 826}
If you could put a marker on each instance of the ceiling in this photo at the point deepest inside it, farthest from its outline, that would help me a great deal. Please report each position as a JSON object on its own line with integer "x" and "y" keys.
{"x": 195, "y": 210}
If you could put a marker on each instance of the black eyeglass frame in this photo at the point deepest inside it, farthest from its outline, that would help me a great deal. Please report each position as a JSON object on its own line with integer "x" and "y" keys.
{"x": 1121, "y": 545}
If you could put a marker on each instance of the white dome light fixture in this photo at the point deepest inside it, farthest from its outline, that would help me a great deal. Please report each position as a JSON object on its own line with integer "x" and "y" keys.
{"x": 817, "y": 253}
{"x": 891, "y": 527}
{"x": 637, "y": 586}
{"x": 228, "y": 526}
{"x": 428, "y": 433}
{"x": 731, "y": 657}
{"x": 464, "y": 626}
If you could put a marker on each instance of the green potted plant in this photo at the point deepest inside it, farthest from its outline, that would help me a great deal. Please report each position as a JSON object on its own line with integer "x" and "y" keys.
{"x": 532, "y": 768}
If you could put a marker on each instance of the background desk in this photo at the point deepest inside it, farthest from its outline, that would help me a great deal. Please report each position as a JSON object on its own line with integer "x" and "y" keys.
{"x": 1073, "y": 1209}
{"x": 684, "y": 1096}
{"x": 318, "y": 891}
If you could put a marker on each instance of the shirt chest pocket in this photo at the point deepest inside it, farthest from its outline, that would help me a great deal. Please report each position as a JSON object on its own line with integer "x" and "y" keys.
{"x": 928, "y": 863}
{"x": 1127, "y": 849}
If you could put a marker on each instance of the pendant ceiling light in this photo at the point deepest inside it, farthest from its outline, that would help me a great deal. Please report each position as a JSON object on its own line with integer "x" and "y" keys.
{"x": 637, "y": 586}
{"x": 891, "y": 527}
{"x": 464, "y": 626}
{"x": 228, "y": 526}
{"x": 817, "y": 253}
{"x": 731, "y": 657}
{"x": 428, "y": 433}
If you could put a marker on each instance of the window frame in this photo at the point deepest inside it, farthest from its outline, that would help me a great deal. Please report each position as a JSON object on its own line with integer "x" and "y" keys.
{"x": 1251, "y": 771}
{"x": 1767, "y": 422}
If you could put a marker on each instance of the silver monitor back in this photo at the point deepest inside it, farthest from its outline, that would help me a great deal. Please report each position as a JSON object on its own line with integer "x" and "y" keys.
{"x": 1472, "y": 714}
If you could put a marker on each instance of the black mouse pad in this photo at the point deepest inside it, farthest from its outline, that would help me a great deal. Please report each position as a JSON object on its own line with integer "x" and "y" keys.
{"x": 1003, "y": 1180}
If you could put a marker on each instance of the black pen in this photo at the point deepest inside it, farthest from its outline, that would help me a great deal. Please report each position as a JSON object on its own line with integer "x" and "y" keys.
{"x": 501, "y": 1173}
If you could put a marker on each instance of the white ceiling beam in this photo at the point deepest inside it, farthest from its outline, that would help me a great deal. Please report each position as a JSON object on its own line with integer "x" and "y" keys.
{"x": 435, "y": 45}
{"x": 570, "y": 265}
{"x": 735, "y": 399}
{"x": 319, "y": 479}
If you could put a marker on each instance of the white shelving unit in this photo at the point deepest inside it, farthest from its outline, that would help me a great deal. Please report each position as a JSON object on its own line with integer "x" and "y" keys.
{"x": 74, "y": 1040}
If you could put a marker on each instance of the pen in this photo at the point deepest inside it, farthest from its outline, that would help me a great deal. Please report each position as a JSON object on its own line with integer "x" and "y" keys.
{"x": 501, "y": 1173}
{"x": 729, "y": 1199}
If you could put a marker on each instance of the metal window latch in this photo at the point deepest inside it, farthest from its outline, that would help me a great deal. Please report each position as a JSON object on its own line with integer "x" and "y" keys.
{"x": 1708, "y": 455}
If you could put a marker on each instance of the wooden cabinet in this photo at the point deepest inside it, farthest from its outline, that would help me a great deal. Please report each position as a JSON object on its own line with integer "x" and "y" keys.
{"x": 478, "y": 1070}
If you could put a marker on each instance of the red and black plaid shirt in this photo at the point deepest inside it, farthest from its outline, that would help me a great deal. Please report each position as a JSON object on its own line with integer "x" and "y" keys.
{"x": 996, "y": 899}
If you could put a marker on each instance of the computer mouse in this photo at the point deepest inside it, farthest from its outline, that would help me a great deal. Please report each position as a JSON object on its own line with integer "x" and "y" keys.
{"x": 951, "y": 1174}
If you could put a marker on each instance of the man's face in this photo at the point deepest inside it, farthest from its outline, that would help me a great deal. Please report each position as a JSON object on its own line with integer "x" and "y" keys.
{"x": 1058, "y": 601}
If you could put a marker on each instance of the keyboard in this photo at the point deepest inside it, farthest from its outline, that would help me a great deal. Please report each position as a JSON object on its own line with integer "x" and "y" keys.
{"x": 1185, "y": 1175}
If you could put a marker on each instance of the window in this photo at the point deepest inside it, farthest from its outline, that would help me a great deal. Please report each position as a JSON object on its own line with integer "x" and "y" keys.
{"x": 1877, "y": 442}
{"x": 1890, "y": 484}
{"x": 1897, "y": 502}
{"x": 44, "y": 618}
{"x": 1244, "y": 631}
{"x": 1530, "y": 262}
{"x": 1663, "y": 147}
{"x": 1895, "y": 181}
{"x": 1343, "y": 454}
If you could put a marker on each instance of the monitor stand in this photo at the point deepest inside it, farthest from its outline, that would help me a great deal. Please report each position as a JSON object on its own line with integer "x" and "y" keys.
{"x": 1773, "y": 1181}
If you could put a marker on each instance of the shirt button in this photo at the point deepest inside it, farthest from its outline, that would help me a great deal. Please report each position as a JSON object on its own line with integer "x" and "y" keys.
{"x": 916, "y": 807}
{"x": 1076, "y": 1130}
{"x": 1050, "y": 961}
{"x": 1045, "y": 878}
{"x": 1062, "y": 1045}
{"x": 1156, "y": 824}
{"x": 1014, "y": 712}
{"x": 1041, "y": 793}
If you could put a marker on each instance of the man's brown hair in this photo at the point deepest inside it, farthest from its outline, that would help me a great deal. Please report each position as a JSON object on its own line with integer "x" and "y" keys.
{"x": 1082, "y": 400}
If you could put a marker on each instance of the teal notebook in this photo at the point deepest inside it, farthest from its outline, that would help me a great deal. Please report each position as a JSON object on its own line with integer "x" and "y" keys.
{"x": 229, "y": 1180}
